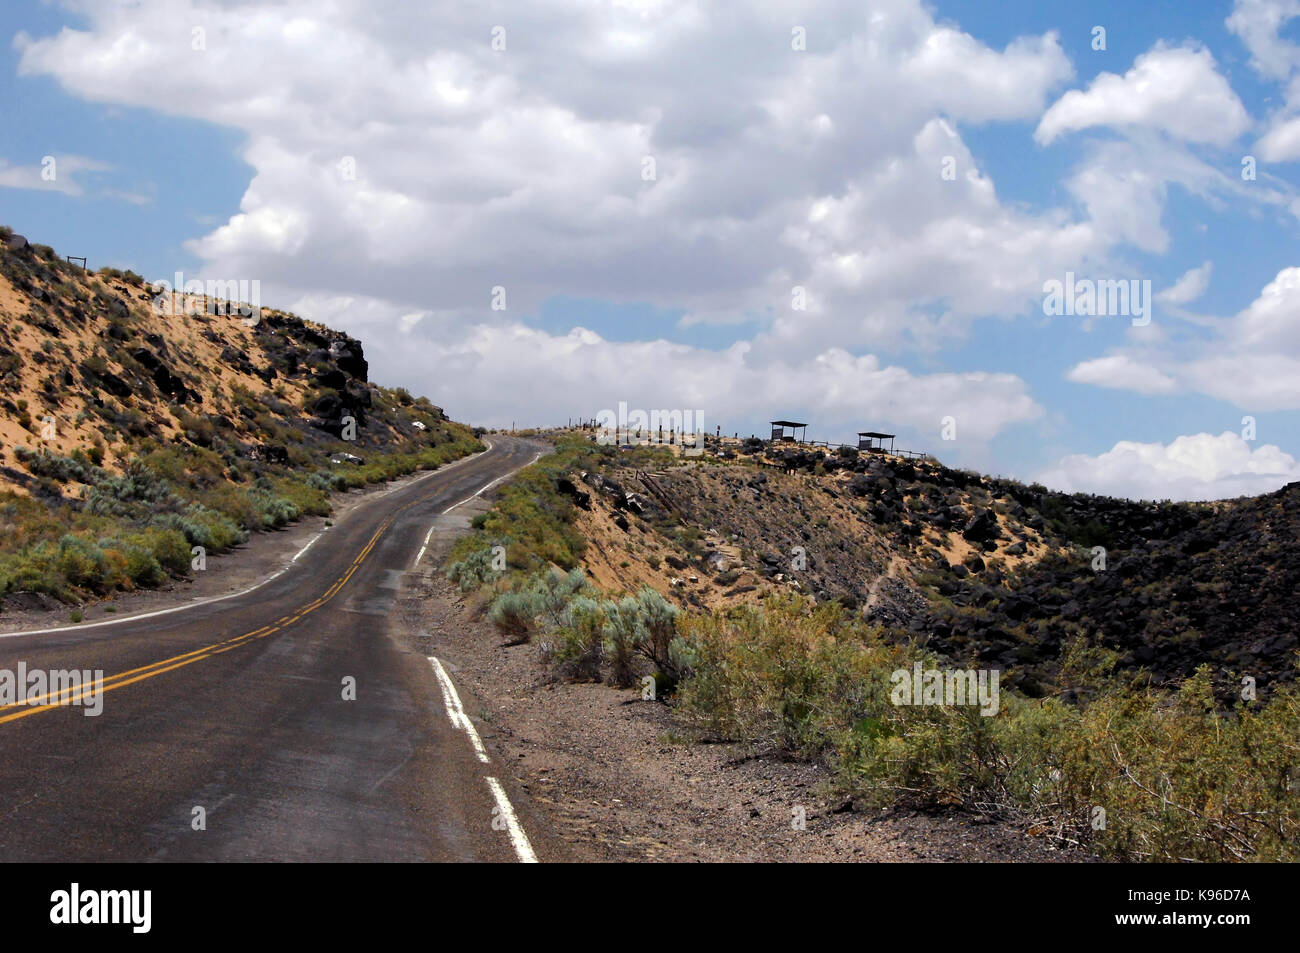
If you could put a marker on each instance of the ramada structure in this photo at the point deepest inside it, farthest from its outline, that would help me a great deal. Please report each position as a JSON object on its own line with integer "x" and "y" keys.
{"x": 874, "y": 442}
{"x": 779, "y": 428}
{"x": 869, "y": 441}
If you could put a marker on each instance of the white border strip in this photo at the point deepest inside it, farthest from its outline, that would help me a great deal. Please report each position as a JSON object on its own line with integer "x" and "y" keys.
{"x": 518, "y": 839}
{"x": 460, "y": 720}
{"x": 456, "y": 712}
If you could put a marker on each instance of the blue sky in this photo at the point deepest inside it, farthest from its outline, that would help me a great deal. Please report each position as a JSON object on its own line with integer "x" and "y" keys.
{"x": 519, "y": 168}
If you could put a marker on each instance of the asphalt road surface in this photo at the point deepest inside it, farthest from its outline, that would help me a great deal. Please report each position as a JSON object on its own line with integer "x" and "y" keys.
{"x": 233, "y": 713}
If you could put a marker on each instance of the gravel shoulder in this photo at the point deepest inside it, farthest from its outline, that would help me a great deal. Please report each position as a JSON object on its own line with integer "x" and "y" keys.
{"x": 617, "y": 781}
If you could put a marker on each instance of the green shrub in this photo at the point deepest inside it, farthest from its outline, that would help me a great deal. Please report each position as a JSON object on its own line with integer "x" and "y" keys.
{"x": 515, "y": 614}
{"x": 473, "y": 570}
{"x": 1133, "y": 772}
{"x": 539, "y": 603}
{"x": 657, "y": 637}
{"x": 82, "y": 563}
{"x": 624, "y": 631}
{"x": 577, "y": 643}
{"x": 553, "y": 590}
{"x": 143, "y": 569}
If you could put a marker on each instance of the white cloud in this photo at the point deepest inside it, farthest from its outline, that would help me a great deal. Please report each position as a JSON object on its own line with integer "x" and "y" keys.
{"x": 62, "y": 174}
{"x": 1258, "y": 23}
{"x": 1196, "y": 467}
{"x": 515, "y": 370}
{"x": 476, "y": 168}
{"x": 773, "y": 169}
{"x": 1177, "y": 90}
{"x": 1189, "y": 287}
{"x": 1281, "y": 142}
{"x": 1253, "y": 381}
{"x": 1121, "y": 371}
{"x": 523, "y": 168}
{"x": 1251, "y": 359}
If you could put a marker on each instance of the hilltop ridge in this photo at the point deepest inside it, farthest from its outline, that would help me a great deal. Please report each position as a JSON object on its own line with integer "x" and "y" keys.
{"x": 982, "y": 569}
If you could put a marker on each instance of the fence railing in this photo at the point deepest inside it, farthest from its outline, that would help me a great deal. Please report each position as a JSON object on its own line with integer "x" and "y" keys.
{"x": 690, "y": 440}
{"x": 829, "y": 445}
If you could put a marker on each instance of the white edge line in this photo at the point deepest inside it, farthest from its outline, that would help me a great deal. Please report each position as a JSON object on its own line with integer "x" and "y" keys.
{"x": 456, "y": 712}
{"x": 423, "y": 547}
{"x": 230, "y": 595}
{"x": 518, "y": 839}
{"x": 309, "y": 545}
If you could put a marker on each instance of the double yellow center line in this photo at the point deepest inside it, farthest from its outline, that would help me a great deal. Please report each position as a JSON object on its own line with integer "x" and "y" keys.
{"x": 69, "y": 696}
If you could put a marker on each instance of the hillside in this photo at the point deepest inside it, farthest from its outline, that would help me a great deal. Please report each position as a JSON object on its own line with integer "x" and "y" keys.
{"x": 999, "y": 572}
{"x": 980, "y": 569}
{"x": 773, "y": 595}
{"x": 134, "y": 426}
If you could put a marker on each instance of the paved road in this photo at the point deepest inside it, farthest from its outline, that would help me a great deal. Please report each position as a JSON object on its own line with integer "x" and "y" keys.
{"x": 236, "y": 706}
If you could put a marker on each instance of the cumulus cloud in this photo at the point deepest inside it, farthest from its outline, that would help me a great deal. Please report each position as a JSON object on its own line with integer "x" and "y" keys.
{"x": 1196, "y": 467}
{"x": 402, "y": 162}
{"x": 1123, "y": 372}
{"x": 1251, "y": 359}
{"x": 1259, "y": 24}
{"x": 516, "y": 370}
{"x": 674, "y": 154}
{"x": 476, "y": 167}
{"x": 1189, "y": 287}
{"x": 1177, "y": 90}
{"x": 1281, "y": 141}
{"x": 1165, "y": 121}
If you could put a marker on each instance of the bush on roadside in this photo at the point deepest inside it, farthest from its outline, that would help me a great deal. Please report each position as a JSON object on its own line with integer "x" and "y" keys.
{"x": 623, "y": 632}
{"x": 577, "y": 644}
{"x": 473, "y": 570}
{"x": 515, "y": 614}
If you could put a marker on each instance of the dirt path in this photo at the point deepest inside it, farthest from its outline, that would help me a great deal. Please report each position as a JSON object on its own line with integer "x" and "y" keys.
{"x": 873, "y": 595}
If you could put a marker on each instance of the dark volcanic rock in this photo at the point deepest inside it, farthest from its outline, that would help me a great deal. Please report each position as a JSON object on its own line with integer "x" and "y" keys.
{"x": 332, "y": 378}
{"x": 580, "y": 497}
{"x": 982, "y": 528}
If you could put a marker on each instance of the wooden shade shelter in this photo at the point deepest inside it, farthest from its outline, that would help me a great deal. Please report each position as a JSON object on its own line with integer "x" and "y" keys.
{"x": 874, "y": 442}
{"x": 779, "y": 428}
